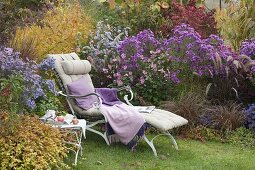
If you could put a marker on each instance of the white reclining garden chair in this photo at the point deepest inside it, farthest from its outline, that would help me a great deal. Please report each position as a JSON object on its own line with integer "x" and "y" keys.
{"x": 70, "y": 68}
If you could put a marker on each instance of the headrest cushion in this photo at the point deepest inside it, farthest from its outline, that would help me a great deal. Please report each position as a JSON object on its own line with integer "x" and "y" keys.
{"x": 76, "y": 67}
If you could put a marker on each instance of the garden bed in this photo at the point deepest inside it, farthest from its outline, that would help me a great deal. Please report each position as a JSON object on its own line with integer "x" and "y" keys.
{"x": 175, "y": 54}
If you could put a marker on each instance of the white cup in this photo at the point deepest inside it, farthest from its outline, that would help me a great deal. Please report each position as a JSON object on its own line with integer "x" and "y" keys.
{"x": 51, "y": 113}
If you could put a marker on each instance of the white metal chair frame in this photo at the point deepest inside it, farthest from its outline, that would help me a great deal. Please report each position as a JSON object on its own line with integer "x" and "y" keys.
{"x": 127, "y": 100}
{"x": 91, "y": 124}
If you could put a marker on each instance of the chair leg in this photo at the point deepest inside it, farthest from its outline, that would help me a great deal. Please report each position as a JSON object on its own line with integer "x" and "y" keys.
{"x": 104, "y": 135}
{"x": 101, "y": 134}
{"x": 172, "y": 139}
{"x": 151, "y": 144}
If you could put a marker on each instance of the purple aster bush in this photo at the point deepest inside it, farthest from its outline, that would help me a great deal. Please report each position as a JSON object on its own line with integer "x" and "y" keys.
{"x": 168, "y": 60}
{"x": 250, "y": 117}
{"x": 248, "y": 48}
{"x": 34, "y": 86}
{"x": 228, "y": 73}
{"x": 146, "y": 67}
{"x": 101, "y": 51}
{"x": 146, "y": 60}
{"x": 188, "y": 48}
{"x": 138, "y": 55}
{"x": 150, "y": 64}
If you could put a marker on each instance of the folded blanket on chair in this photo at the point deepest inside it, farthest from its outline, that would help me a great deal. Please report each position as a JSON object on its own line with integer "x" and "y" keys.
{"x": 124, "y": 120}
{"x": 108, "y": 95}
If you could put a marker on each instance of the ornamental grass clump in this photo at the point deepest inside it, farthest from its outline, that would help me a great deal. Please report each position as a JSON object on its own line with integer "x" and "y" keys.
{"x": 21, "y": 81}
{"x": 190, "y": 106}
{"x": 224, "y": 118}
{"x": 27, "y": 143}
{"x": 231, "y": 79}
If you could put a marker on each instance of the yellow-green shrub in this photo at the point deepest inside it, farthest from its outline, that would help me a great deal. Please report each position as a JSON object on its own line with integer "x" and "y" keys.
{"x": 58, "y": 32}
{"x": 237, "y": 22}
{"x": 27, "y": 143}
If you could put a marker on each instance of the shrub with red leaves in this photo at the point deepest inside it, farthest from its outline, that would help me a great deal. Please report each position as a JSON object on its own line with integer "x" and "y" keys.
{"x": 197, "y": 17}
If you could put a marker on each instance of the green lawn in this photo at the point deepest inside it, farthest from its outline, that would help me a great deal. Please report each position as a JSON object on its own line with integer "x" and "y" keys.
{"x": 191, "y": 155}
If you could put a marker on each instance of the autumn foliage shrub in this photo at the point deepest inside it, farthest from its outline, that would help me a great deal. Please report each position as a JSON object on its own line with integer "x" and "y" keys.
{"x": 201, "y": 133}
{"x": 58, "y": 32}
{"x": 27, "y": 143}
{"x": 21, "y": 13}
{"x": 196, "y": 16}
{"x": 129, "y": 12}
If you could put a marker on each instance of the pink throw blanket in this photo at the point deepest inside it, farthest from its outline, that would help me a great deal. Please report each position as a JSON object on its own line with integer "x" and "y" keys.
{"x": 124, "y": 120}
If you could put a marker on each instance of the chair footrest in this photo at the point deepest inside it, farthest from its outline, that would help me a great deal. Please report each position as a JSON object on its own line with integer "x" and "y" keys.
{"x": 164, "y": 120}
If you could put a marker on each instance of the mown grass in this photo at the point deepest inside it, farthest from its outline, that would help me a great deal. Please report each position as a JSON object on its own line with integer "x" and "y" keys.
{"x": 191, "y": 155}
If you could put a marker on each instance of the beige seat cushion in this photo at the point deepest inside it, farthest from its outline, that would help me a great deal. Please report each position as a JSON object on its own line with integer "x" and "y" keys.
{"x": 164, "y": 120}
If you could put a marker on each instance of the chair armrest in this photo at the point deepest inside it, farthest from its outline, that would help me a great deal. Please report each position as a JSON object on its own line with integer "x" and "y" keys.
{"x": 126, "y": 97}
{"x": 77, "y": 96}
{"x": 96, "y": 104}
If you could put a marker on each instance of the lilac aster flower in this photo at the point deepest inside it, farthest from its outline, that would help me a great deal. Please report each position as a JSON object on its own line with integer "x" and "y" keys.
{"x": 30, "y": 103}
{"x": 47, "y": 64}
{"x": 11, "y": 63}
{"x": 51, "y": 86}
{"x": 248, "y": 48}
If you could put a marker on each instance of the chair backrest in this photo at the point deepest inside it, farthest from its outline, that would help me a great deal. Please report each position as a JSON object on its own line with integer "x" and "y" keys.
{"x": 70, "y": 68}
